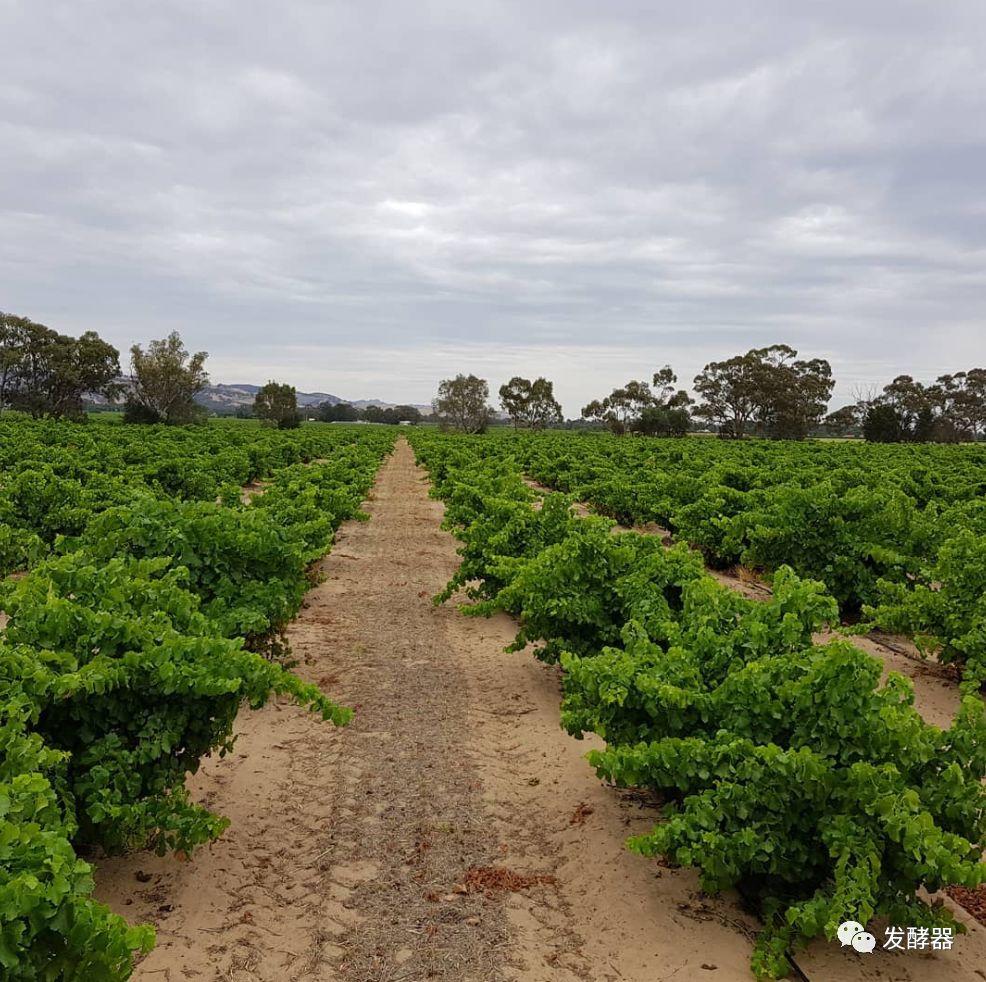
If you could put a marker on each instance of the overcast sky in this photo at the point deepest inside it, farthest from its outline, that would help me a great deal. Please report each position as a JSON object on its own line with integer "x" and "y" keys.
{"x": 363, "y": 197}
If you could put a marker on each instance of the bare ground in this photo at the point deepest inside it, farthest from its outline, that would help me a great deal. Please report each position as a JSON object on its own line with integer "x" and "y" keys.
{"x": 452, "y": 832}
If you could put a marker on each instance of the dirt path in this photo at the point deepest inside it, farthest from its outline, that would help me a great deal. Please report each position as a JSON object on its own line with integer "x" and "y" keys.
{"x": 452, "y": 832}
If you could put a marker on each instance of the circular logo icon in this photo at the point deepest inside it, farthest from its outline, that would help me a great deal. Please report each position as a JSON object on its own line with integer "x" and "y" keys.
{"x": 864, "y": 942}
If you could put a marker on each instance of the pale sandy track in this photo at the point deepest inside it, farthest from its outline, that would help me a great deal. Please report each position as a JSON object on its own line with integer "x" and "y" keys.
{"x": 347, "y": 845}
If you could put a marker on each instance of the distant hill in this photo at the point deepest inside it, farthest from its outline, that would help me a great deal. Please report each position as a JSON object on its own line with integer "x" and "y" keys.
{"x": 228, "y": 398}
{"x": 222, "y": 398}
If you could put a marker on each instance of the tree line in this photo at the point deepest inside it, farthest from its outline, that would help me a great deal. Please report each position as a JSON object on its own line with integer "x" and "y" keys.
{"x": 768, "y": 392}
{"x": 463, "y": 403}
{"x": 952, "y": 409}
{"x": 345, "y": 412}
{"x": 45, "y": 373}
{"x": 278, "y": 403}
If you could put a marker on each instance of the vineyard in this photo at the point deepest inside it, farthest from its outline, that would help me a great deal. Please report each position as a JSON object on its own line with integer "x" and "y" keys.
{"x": 154, "y": 576}
{"x": 790, "y": 770}
{"x": 152, "y": 594}
{"x": 897, "y": 534}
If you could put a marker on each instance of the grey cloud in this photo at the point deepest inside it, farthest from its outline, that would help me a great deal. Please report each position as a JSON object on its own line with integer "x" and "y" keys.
{"x": 364, "y": 197}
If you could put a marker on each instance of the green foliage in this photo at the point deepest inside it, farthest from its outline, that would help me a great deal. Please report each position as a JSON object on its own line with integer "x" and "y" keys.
{"x": 869, "y": 521}
{"x": 278, "y": 403}
{"x": 50, "y": 928}
{"x": 944, "y": 606}
{"x": 530, "y": 404}
{"x": 790, "y": 770}
{"x": 462, "y": 403}
{"x": 48, "y": 374}
{"x": 127, "y": 655}
{"x": 637, "y": 408}
{"x": 19, "y": 548}
{"x": 166, "y": 379}
{"x": 767, "y": 388}
{"x": 134, "y": 682}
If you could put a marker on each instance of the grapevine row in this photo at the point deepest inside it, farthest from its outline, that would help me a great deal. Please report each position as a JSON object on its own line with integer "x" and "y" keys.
{"x": 128, "y": 651}
{"x": 789, "y": 770}
{"x": 896, "y": 533}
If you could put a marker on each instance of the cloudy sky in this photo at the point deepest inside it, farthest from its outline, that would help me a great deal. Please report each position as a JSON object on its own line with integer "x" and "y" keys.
{"x": 364, "y": 197}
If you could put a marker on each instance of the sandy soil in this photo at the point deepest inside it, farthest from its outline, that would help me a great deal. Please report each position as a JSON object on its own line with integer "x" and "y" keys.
{"x": 452, "y": 832}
